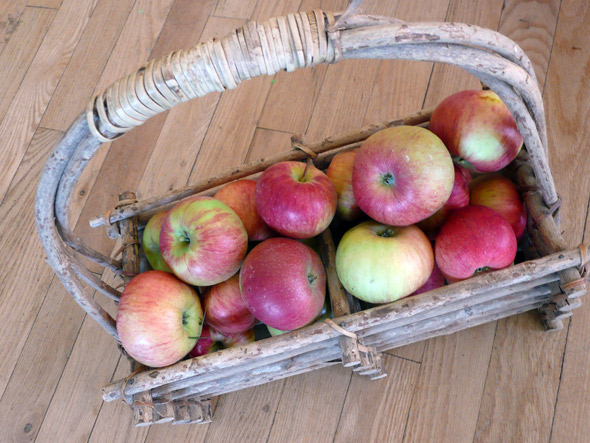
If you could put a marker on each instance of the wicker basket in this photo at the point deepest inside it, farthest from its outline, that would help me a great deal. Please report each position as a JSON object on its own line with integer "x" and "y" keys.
{"x": 551, "y": 280}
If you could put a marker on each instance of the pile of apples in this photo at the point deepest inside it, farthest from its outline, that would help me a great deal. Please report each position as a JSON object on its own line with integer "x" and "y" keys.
{"x": 419, "y": 218}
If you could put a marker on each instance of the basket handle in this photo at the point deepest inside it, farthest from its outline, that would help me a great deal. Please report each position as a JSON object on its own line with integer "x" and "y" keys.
{"x": 284, "y": 43}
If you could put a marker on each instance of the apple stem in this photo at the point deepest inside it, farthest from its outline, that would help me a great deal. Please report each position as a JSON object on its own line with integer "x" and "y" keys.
{"x": 309, "y": 162}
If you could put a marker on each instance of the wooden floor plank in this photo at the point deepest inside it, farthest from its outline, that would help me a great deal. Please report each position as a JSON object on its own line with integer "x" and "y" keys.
{"x": 522, "y": 350}
{"x": 24, "y": 276}
{"x": 241, "y": 9}
{"x": 10, "y": 12}
{"x": 79, "y": 79}
{"x": 567, "y": 101}
{"x": 20, "y": 50}
{"x": 247, "y": 415}
{"x": 303, "y": 415}
{"x": 33, "y": 95}
{"x": 52, "y": 4}
{"x": 452, "y": 376}
{"x": 374, "y": 411}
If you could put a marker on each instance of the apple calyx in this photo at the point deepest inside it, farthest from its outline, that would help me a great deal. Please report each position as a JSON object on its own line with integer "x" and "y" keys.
{"x": 388, "y": 179}
{"x": 311, "y": 278}
{"x": 387, "y": 233}
{"x": 481, "y": 270}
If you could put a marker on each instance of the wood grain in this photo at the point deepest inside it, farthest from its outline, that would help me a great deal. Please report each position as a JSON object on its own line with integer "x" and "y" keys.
{"x": 33, "y": 95}
{"x": 10, "y": 13}
{"x": 444, "y": 407}
{"x": 524, "y": 410}
{"x": 20, "y": 50}
{"x": 79, "y": 79}
{"x": 568, "y": 131}
{"x": 300, "y": 406}
{"x": 370, "y": 405}
{"x": 55, "y": 4}
{"x": 241, "y": 9}
{"x": 22, "y": 270}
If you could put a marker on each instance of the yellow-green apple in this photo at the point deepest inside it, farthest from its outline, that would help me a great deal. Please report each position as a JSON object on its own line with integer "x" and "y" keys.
{"x": 340, "y": 172}
{"x": 402, "y": 175}
{"x": 203, "y": 241}
{"x": 159, "y": 318}
{"x": 212, "y": 341}
{"x": 458, "y": 199}
{"x": 225, "y": 309}
{"x": 379, "y": 263}
{"x": 283, "y": 283}
{"x": 477, "y": 126}
{"x": 474, "y": 239}
{"x": 239, "y": 196}
{"x": 296, "y": 199}
{"x": 151, "y": 242}
{"x": 324, "y": 314}
{"x": 274, "y": 331}
{"x": 436, "y": 280}
{"x": 499, "y": 193}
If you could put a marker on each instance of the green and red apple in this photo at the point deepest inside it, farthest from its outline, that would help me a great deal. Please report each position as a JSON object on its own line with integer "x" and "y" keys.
{"x": 151, "y": 242}
{"x": 340, "y": 173}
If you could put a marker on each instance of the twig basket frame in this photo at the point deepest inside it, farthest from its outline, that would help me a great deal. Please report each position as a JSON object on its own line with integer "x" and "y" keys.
{"x": 551, "y": 281}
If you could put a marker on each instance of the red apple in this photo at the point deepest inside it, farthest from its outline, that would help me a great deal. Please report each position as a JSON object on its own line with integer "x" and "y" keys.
{"x": 283, "y": 283}
{"x": 436, "y": 280}
{"x": 212, "y": 341}
{"x": 402, "y": 175}
{"x": 340, "y": 172}
{"x": 295, "y": 199}
{"x": 380, "y": 264}
{"x": 458, "y": 199}
{"x": 474, "y": 239}
{"x": 225, "y": 309}
{"x": 159, "y": 318}
{"x": 203, "y": 241}
{"x": 239, "y": 196}
{"x": 206, "y": 344}
{"x": 500, "y": 194}
{"x": 477, "y": 126}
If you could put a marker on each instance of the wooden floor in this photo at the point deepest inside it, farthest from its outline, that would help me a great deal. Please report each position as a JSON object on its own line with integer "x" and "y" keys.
{"x": 505, "y": 381}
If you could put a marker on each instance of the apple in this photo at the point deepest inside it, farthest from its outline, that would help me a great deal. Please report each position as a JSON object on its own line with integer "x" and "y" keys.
{"x": 159, "y": 318}
{"x": 203, "y": 241}
{"x": 274, "y": 332}
{"x": 459, "y": 198}
{"x": 380, "y": 264}
{"x": 474, "y": 239}
{"x": 436, "y": 280}
{"x": 212, "y": 341}
{"x": 225, "y": 309}
{"x": 477, "y": 126}
{"x": 239, "y": 196}
{"x": 296, "y": 199}
{"x": 283, "y": 283}
{"x": 151, "y": 242}
{"x": 340, "y": 173}
{"x": 324, "y": 314}
{"x": 500, "y": 194}
{"x": 402, "y": 175}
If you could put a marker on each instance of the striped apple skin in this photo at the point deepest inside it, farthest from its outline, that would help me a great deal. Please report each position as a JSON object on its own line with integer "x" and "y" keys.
{"x": 158, "y": 318}
{"x": 203, "y": 241}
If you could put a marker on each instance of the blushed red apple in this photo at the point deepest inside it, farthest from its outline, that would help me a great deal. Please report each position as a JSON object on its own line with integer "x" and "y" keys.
{"x": 402, "y": 175}
{"x": 340, "y": 173}
{"x": 283, "y": 283}
{"x": 380, "y": 264}
{"x": 203, "y": 241}
{"x": 459, "y": 198}
{"x": 159, "y": 318}
{"x": 212, "y": 341}
{"x": 436, "y": 280}
{"x": 225, "y": 308}
{"x": 474, "y": 239}
{"x": 477, "y": 126}
{"x": 499, "y": 193}
{"x": 239, "y": 195}
{"x": 296, "y": 199}
{"x": 151, "y": 242}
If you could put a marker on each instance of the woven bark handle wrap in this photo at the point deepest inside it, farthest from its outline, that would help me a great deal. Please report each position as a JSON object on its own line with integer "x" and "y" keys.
{"x": 285, "y": 43}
